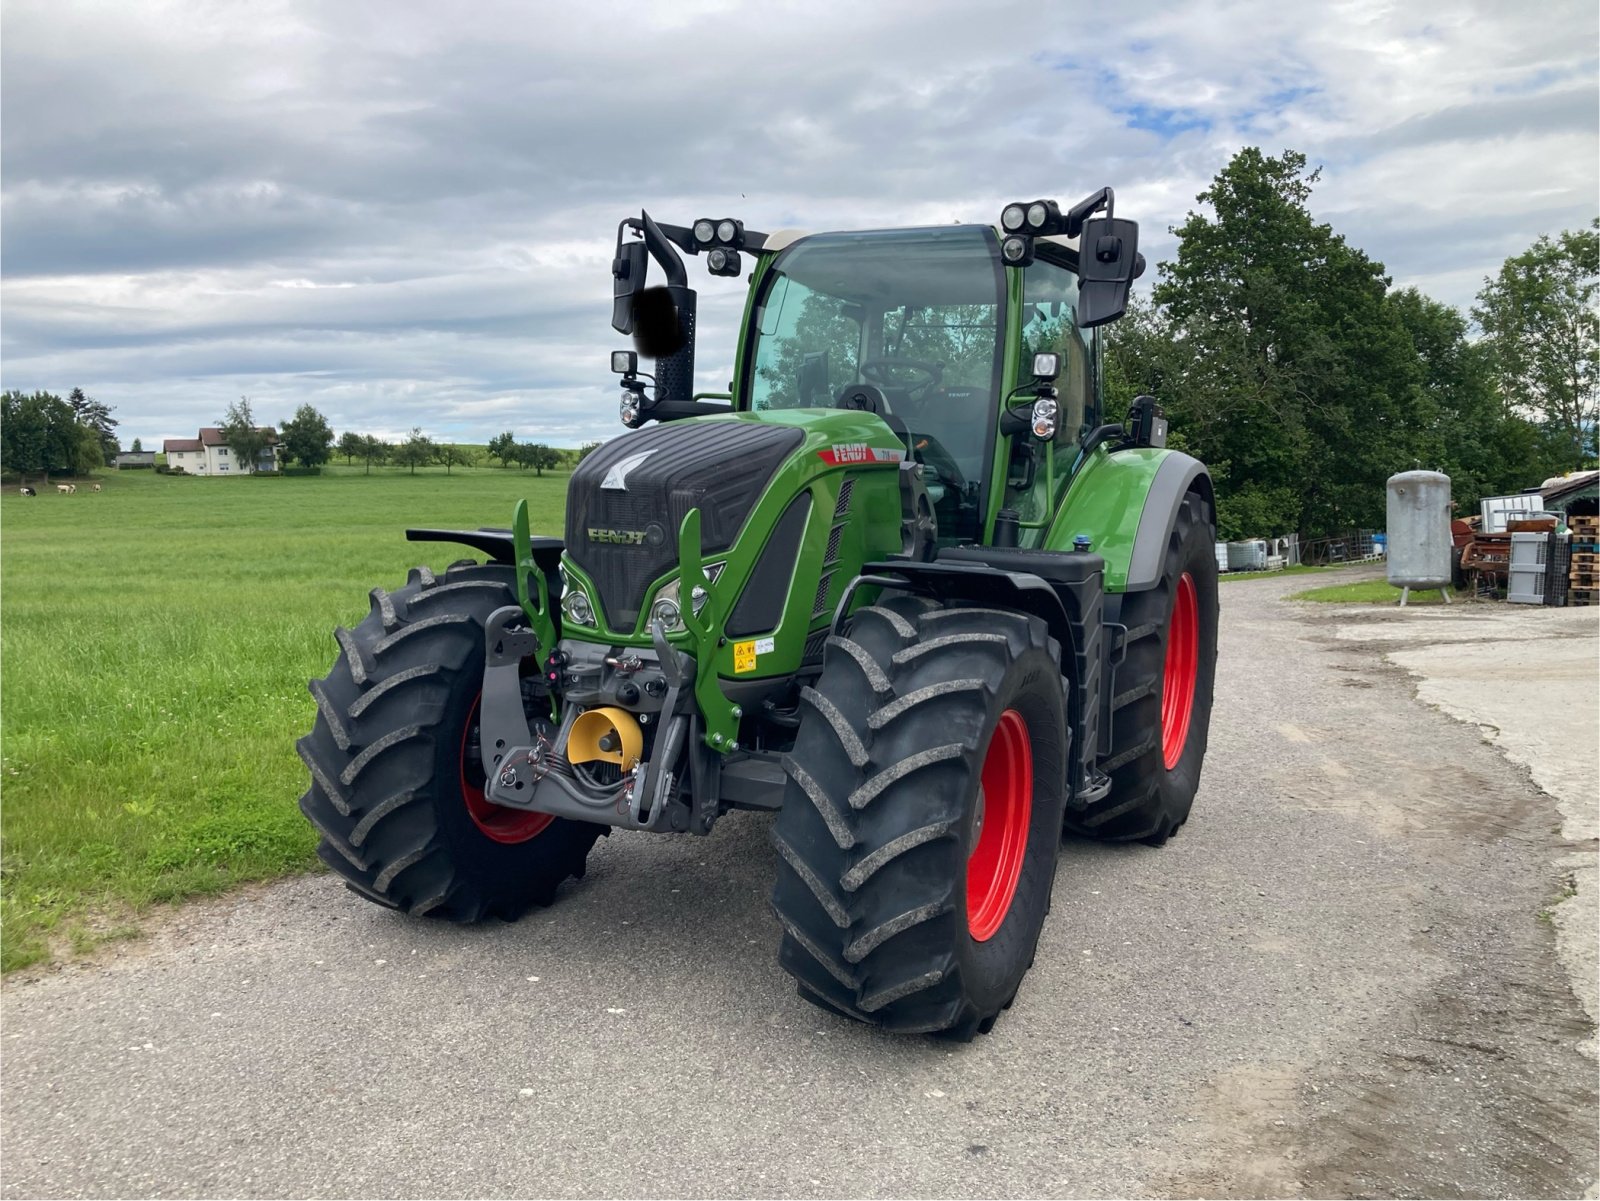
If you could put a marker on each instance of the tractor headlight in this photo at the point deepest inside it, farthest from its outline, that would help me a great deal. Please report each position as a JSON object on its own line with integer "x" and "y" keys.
{"x": 728, "y": 231}
{"x": 1038, "y": 214}
{"x": 575, "y": 607}
{"x": 628, "y": 409}
{"x": 697, "y": 599}
{"x": 1046, "y": 416}
{"x": 705, "y": 231}
{"x": 668, "y": 594}
{"x": 1012, "y": 217}
{"x": 665, "y": 610}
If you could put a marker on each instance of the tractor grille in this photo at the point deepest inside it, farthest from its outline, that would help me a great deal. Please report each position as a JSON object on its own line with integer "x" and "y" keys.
{"x": 625, "y": 537}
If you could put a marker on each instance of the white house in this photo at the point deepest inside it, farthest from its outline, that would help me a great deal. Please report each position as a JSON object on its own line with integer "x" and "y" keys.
{"x": 209, "y": 454}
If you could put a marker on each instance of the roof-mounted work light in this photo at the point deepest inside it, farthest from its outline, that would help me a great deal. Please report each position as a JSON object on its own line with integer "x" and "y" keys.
{"x": 1016, "y": 250}
{"x": 722, "y": 260}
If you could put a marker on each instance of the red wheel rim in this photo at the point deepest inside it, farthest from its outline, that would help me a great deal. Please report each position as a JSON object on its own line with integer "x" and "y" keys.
{"x": 1183, "y": 666}
{"x": 995, "y": 865}
{"x": 495, "y": 821}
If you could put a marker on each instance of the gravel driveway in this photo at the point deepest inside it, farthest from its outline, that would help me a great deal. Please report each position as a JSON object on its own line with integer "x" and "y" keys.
{"x": 1336, "y": 980}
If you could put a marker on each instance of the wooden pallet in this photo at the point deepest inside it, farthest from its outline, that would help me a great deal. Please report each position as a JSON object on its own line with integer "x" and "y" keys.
{"x": 1584, "y": 527}
{"x": 1583, "y": 596}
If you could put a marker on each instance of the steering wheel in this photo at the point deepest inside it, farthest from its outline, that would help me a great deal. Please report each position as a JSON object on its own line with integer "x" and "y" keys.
{"x": 879, "y": 371}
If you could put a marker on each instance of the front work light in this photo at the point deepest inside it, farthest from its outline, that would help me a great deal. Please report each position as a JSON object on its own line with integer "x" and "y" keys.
{"x": 705, "y": 231}
{"x": 1046, "y": 365}
{"x": 723, "y": 261}
{"x": 1017, "y": 250}
{"x": 1012, "y": 217}
{"x": 730, "y": 232}
{"x": 624, "y": 362}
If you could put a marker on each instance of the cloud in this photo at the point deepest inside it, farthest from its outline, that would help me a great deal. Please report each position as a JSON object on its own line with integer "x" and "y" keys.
{"x": 403, "y": 214}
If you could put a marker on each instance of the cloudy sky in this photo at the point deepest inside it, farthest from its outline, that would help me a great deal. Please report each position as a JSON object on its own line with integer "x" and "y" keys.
{"x": 403, "y": 212}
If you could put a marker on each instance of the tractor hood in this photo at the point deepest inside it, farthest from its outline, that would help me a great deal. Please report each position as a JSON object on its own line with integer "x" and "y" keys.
{"x": 744, "y": 472}
{"x": 627, "y": 500}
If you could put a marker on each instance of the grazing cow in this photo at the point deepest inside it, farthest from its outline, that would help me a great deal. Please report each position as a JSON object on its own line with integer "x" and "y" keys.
{"x": 27, "y": 491}
{"x": 94, "y": 487}
{"x": 66, "y": 488}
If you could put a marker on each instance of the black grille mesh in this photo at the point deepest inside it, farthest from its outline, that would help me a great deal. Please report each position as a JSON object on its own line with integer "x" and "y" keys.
{"x": 824, "y": 591}
{"x": 720, "y": 467}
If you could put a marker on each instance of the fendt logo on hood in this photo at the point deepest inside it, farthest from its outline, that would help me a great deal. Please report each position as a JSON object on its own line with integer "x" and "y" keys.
{"x": 617, "y": 537}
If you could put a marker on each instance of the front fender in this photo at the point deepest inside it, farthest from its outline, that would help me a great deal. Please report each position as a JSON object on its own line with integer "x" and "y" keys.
{"x": 1127, "y": 502}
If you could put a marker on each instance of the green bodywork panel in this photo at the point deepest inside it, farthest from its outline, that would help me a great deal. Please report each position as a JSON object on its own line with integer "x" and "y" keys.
{"x": 1105, "y": 500}
{"x": 869, "y": 530}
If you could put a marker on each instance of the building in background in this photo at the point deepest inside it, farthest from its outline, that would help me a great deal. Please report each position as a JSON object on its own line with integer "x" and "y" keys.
{"x": 209, "y": 454}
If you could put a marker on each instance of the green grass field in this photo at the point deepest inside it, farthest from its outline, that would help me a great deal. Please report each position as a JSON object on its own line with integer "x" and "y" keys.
{"x": 155, "y": 643}
{"x": 1367, "y": 592}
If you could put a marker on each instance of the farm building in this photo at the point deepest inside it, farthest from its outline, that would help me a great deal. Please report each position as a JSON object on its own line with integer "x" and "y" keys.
{"x": 209, "y": 454}
{"x": 135, "y": 458}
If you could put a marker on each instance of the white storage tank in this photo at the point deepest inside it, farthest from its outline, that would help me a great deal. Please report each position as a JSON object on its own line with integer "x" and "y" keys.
{"x": 1419, "y": 530}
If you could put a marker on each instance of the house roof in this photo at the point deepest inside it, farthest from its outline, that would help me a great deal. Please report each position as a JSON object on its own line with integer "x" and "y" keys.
{"x": 172, "y": 444}
{"x": 210, "y": 435}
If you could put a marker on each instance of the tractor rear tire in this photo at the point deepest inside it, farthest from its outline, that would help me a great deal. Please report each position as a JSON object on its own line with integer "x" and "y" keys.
{"x": 929, "y": 729}
{"x": 1161, "y": 713}
{"x": 396, "y": 787}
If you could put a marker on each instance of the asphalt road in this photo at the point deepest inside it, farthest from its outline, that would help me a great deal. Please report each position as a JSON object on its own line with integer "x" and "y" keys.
{"x": 1334, "y": 981}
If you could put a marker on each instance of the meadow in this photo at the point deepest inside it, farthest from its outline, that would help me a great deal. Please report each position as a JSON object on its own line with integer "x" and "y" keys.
{"x": 155, "y": 643}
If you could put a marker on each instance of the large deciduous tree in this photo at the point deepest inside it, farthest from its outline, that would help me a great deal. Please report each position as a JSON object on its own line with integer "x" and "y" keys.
{"x": 242, "y": 436}
{"x": 350, "y": 446}
{"x": 1539, "y": 321}
{"x": 1298, "y": 382}
{"x": 306, "y": 438}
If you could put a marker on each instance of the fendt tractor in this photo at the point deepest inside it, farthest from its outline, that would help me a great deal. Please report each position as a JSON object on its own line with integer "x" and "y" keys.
{"x": 901, "y": 583}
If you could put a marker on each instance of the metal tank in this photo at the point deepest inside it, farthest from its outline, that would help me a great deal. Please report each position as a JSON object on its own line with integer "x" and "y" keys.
{"x": 1419, "y": 531}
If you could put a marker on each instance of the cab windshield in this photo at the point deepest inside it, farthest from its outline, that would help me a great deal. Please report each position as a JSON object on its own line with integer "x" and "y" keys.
{"x": 912, "y": 320}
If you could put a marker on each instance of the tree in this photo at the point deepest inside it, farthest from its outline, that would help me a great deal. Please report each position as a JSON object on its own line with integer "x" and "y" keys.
{"x": 243, "y": 438}
{"x": 373, "y": 450}
{"x": 1539, "y": 321}
{"x": 536, "y": 455}
{"x": 138, "y": 446}
{"x": 96, "y": 416}
{"x": 1300, "y": 385}
{"x": 587, "y": 449}
{"x": 306, "y": 438}
{"x": 90, "y": 452}
{"x": 504, "y": 447}
{"x": 351, "y": 446}
{"x": 452, "y": 455}
{"x": 416, "y": 451}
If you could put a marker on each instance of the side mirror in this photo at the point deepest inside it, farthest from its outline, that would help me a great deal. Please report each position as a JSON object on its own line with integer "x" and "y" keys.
{"x": 627, "y": 280}
{"x": 1108, "y": 262}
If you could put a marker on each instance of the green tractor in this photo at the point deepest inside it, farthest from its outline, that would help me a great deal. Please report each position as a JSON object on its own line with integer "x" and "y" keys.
{"x": 901, "y": 583}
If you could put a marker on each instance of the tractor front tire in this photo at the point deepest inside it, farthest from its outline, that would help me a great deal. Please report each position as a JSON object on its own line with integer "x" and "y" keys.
{"x": 921, "y": 816}
{"x": 1161, "y": 711}
{"x": 396, "y": 786}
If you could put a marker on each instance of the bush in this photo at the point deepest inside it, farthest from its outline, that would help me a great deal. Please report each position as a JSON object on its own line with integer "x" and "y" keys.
{"x": 297, "y": 471}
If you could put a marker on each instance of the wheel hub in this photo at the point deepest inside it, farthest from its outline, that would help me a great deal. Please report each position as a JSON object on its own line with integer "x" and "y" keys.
{"x": 1000, "y": 826}
{"x": 1182, "y": 670}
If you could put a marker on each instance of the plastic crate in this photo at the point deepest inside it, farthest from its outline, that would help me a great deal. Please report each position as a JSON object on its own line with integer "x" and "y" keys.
{"x": 1525, "y": 585}
{"x": 1530, "y": 550}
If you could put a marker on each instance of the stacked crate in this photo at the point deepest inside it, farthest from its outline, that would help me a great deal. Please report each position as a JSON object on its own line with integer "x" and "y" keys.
{"x": 1583, "y": 576}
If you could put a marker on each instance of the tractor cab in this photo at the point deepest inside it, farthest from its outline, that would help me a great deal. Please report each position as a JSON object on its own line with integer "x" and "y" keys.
{"x": 906, "y": 324}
